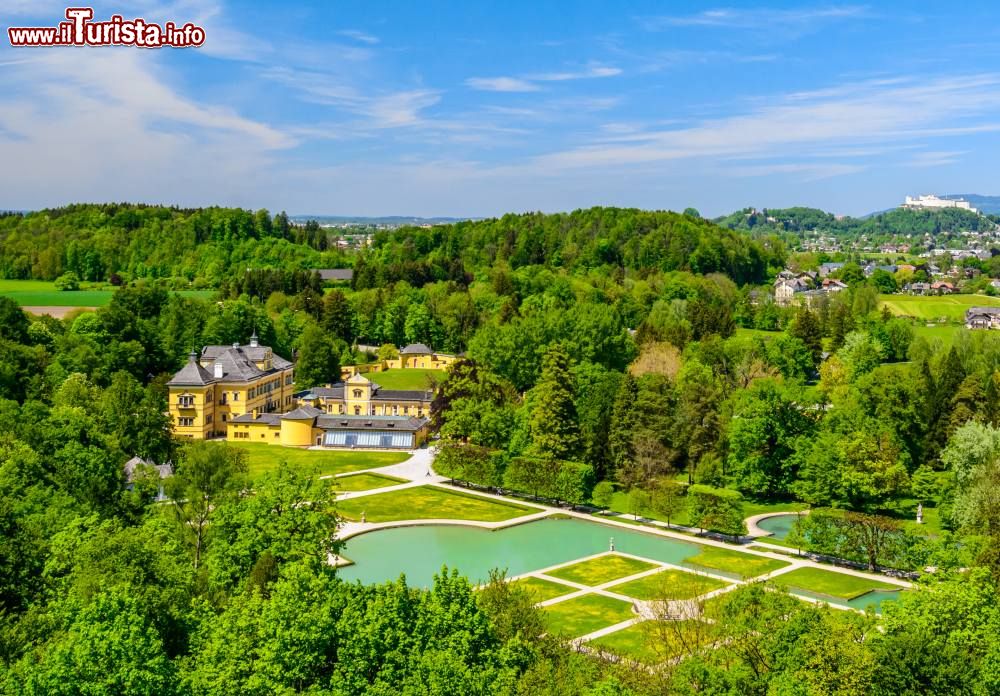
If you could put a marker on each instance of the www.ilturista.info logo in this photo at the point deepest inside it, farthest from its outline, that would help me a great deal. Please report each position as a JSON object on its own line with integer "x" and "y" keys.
{"x": 117, "y": 31}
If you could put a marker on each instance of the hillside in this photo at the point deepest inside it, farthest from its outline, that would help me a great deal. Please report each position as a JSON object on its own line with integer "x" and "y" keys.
{"x": 897, "y": 221}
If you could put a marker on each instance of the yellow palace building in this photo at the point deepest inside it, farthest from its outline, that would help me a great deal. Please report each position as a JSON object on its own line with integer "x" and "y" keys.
{"x": 223, "y": 382}
{"x": 245, "y": 393}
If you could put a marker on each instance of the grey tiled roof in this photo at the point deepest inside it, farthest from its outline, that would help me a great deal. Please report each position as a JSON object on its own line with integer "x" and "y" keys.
{"x": 402, "y": 395}
{"x": 269, "y": 418}
{"x": 163, "y": 470}
{"x": 192, "y": 374}
{"x": 415, "y": 348}
{"x": 332, "y": 422}
{"x": 335, "y": 273}
{"x": 301, "y": 413}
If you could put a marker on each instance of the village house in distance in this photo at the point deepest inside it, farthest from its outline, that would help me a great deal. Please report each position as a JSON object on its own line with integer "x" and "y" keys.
{"x": 246, "y": 393}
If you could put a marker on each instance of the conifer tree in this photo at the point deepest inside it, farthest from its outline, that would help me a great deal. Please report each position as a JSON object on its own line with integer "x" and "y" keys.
{"x": 806, "y": 328}
{"x": 623, "y": 420}
{"x": 555, "y": 431}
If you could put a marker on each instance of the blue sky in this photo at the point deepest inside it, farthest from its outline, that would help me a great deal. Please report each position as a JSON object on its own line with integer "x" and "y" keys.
{"x": 438, "y": 108}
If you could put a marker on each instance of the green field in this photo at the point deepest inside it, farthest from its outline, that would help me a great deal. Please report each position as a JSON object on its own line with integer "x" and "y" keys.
{"x": 830, "y": 583}
{"x": 744, "y": 565}
{"x": 262, "y": 458}
{"x": 365, "y": 482}
{"x": 410, "y": 378}
{"x": 586, "y": 614}
{"x": 427, "y": 503}
{"x": 930, "y": 307}
{"x": 597, "y": 571}
{"x": 668, "y": 584}
{"x": 43, "y": 293}
{"x": 541, "y": 590}
{"x": 945, "y": 333}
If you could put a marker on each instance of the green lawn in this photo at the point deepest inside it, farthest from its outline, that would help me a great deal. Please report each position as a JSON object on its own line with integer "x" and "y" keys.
{"x": 655, "y": 641}
{"x": 262, "y": 458}
{"x": 951, "y": 307}
{"x": 744, "y": 565}
{"x": 668, "y": 584}
{"x": 830, "y": 583}
{"x": 945, "y": 333}
{"x": 429, "y": 502}
{"x": 43, "y": 293}
{"x": 365, "y": 482}
{"x": 586, "y": 614}
{"x": 542, "y": 590}
{"x": 597, "y": 571}
{"x": 409, "y": 378}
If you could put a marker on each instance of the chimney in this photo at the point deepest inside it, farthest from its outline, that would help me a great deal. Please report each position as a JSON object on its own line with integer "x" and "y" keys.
{"x": 253, "y": 339}
{"x": 218, "y": 370}
{"x": 192, "y": 357}
{"x": 255, "y": 414}
{"x": 236, "y": 344}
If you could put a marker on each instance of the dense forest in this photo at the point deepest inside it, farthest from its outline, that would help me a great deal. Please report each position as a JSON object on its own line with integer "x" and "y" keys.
{"x": 609, "y": 354}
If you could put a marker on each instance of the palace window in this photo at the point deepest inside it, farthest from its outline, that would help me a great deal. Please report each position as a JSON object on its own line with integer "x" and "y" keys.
{"x": 185, "y": 422}
{"x": 236, "y": 396}
{"x": 357, "y": 410}
{"x": 185, "y": 401}
{"x": 357, "y": 393}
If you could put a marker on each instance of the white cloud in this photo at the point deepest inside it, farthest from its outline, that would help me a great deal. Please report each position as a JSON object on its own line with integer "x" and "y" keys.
{"x": 103, "y": 125}
{"x": 528, "y": 83}
{"x": 858, "y": 114}
{"x": 359, "y": 36}
{"x": 501, "y": 84}
{"x": 589, "y": 72}
{"x": 753, "y": 18}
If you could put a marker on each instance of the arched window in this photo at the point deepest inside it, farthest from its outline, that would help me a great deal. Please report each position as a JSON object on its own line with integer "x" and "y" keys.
{"x": 357, "y": 393}
{"x": 357, "y": 410}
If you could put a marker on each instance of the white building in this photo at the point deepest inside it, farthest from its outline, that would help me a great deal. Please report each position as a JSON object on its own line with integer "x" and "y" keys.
{"x": 932, "y": 201}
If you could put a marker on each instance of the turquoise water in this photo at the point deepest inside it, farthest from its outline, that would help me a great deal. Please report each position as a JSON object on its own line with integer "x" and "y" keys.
{"x": 419, "y": 552}
{"x": 779, "y": 525}
{"x": 873, "y": 599}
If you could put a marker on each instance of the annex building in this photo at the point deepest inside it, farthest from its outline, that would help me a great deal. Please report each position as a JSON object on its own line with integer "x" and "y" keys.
{"x": 354, "y": 413}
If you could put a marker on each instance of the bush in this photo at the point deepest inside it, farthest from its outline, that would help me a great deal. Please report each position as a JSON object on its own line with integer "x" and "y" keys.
{"x": 67, "y": 281}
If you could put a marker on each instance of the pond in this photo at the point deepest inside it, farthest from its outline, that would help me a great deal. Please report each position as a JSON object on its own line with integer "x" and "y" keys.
{"x": 420, "y": 551}
{"x": 778, "y": 525}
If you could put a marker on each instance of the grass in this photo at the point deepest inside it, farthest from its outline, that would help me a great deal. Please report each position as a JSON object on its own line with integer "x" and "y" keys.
{"x": 597, "y": 571}
{"x": 668, "y": 584}
{"x": 945, "y": 333}
{"x": 655, "y": 641}
{"x": 744, "y": 565}
{"x": 365, "y": 482}
{"x": 927, "y": 307}
{"x": 429, "y": 502}
{"x": 830, "y": 583}
{"x": 43, "y": 293}
{"x": 541, "y": 590}
{"x": 262, "y": 458}
{"x": 582, "y": 615}
{"x": 408, "y": 378}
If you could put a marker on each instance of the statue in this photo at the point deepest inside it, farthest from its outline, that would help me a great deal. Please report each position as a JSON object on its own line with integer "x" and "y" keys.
{"x": 362, "y": 517}
{"x": 920, "y": 513}
{"x": 612, "y": 543}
